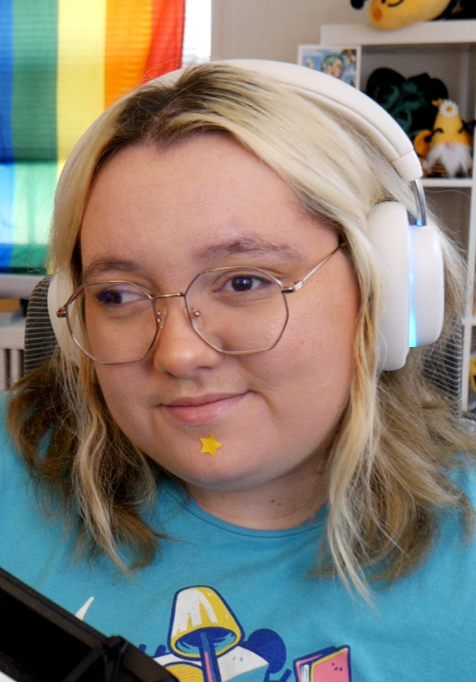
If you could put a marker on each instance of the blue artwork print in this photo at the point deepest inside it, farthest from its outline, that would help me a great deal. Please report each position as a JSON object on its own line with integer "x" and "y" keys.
{"x": 341, "y": 63}
{"x": 206, "y": 643}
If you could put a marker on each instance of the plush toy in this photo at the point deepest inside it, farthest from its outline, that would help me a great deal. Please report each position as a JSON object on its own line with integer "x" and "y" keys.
{"x": 446, "y": 150}
{"x": 399, "y": 13}
{"x": 408, "y": 100}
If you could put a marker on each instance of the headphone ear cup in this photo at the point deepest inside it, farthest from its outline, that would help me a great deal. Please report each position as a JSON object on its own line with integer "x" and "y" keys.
{"x": 59, "y": 291}
{"x": 388, "y": 230}
{"x": 411, "y": 258}
{"x": 428, "y": 286}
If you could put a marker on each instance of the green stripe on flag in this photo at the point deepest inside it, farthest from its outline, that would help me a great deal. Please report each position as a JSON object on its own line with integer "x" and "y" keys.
{"x": 29, "y": 258}
{"x": 34, "y": 79}
{"x": 35, "y": 185}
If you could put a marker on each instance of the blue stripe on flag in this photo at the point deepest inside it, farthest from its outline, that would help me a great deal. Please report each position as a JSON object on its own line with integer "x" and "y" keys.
{"x": 7, "y": 195}
{"x": 6, "y": 80}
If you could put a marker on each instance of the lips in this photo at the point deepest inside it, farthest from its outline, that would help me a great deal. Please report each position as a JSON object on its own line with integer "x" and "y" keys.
{"x": 202, "y": 409}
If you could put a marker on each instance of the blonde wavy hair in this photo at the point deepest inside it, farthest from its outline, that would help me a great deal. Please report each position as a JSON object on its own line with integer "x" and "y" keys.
{"x": 390, "y": 465}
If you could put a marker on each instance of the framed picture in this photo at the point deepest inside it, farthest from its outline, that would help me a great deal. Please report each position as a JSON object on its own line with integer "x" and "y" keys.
{"x": 340, "y": 62}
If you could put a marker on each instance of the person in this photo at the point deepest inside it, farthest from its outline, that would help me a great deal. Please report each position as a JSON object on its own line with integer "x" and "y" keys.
{"x": 218, "y": 463}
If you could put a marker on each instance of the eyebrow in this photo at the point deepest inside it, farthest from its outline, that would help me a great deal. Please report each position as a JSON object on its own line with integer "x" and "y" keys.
{"x": 105, "y": 264}
{"x": 246, "y": 245}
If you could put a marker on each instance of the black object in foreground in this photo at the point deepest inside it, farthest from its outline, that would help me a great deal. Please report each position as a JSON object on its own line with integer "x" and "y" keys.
{"x": 41, "y": 642}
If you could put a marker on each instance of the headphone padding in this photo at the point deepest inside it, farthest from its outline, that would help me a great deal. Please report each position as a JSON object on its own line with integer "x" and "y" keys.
{"x": 59, "y": 292}
{"x": 388, "y": 231}
{"x": 427, "y": 284}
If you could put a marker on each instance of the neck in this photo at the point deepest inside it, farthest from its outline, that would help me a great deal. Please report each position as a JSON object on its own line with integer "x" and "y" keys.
{"x": 277, "y": 505}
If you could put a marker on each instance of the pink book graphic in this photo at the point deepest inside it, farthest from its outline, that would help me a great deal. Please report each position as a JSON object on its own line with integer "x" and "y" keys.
{"x": 327, "y": 665}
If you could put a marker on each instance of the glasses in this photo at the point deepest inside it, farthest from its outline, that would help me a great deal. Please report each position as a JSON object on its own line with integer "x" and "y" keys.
{"x": 235, "y": 310}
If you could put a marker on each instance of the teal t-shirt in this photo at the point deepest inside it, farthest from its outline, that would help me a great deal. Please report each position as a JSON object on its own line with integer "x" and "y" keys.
{"x": 221, "y": 602}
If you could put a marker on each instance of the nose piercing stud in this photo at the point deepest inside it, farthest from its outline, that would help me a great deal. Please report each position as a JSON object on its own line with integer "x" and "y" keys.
{"x": 210, "y": 445}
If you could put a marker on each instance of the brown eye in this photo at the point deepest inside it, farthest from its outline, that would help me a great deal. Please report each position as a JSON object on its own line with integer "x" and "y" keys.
{"x": 241, "y": 283}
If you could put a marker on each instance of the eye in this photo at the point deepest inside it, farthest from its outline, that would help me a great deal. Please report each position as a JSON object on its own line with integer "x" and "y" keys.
{"x": 116, "y": 295}
{"x": 244, "y": 283}
{"x": 241, "y": 287}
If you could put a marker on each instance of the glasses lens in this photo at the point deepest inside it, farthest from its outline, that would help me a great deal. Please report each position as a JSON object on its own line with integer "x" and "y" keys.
{"x": 237, "y": 310}
{"x": 113, "y": 322}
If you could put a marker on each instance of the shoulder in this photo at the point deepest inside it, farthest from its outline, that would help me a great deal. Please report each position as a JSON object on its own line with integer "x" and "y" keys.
{"x": 464, "y": 476}
{"x": 29, "y": 536}
{"x": 17, "y": 489}
{"x": 3, "y": 409}
{"x": 457, "y": 540}
{"x": 11, "y": 464}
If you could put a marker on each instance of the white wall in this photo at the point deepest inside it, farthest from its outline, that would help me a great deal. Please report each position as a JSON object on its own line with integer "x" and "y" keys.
{"x": 272, "y": 29}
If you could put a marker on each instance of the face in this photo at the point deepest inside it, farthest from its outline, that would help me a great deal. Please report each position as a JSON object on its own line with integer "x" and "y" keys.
{"x": 335, "y": 69}
{"x": 158, "y": 218}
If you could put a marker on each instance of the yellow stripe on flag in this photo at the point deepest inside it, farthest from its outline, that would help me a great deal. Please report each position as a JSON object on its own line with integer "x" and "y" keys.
{"x": 81, "y": 54}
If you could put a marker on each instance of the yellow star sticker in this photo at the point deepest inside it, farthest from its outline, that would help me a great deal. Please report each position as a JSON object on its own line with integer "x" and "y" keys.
{"x": 210, "y": 445}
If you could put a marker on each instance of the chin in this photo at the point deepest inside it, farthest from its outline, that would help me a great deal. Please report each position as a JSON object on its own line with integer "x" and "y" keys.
{"x": 221, "y": 482}
{"x": 220, "y": 477}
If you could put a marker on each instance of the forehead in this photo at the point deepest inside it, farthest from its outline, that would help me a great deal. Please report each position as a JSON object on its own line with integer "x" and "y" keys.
{"x": 203, "y": 200}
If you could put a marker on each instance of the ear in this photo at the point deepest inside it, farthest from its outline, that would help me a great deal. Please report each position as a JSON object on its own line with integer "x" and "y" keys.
{"x": 357, "y": 4}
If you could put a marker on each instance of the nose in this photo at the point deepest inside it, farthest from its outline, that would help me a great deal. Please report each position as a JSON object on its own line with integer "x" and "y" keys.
{"x": 179, "y": 350}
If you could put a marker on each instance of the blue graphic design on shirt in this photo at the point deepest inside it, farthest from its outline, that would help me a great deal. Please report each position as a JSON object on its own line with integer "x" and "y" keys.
{"x": 206, "y": 643}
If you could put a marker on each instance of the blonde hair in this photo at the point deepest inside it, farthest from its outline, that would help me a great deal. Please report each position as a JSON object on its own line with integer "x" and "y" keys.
{"x": 389, "y": 467}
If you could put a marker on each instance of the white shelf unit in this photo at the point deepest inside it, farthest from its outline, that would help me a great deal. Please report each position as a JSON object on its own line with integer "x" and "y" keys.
{"x": 12, "y": 336}
{"x": 445, "y": 50}
{"x": 11, "y": 353}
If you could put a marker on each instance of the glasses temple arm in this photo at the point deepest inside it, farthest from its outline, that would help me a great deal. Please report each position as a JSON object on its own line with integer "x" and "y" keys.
{"x": 298, "y": 285}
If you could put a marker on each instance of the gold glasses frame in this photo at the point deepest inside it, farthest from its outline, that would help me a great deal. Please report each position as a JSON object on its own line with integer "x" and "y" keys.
{"x": 62, "y": 312}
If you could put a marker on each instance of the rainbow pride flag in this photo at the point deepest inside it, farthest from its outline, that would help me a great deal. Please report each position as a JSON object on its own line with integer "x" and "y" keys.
{"x": 62, "y": 62}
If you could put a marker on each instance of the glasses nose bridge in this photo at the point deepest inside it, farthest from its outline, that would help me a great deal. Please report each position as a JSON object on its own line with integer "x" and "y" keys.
{"x": 161, "y": 314}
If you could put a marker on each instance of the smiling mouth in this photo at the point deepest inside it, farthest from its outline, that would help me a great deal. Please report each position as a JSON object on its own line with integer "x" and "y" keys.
{"x": 203, "y": 409}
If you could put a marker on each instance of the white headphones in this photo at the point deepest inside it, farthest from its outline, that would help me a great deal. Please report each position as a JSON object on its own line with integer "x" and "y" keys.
{"x": 410, "y": 254}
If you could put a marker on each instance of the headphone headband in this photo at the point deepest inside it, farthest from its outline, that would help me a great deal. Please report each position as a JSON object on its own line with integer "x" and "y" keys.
{"x": 350, "y": 103}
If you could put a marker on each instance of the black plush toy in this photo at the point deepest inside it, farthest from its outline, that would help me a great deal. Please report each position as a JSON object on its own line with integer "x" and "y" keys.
{"x": 409, "y": 101}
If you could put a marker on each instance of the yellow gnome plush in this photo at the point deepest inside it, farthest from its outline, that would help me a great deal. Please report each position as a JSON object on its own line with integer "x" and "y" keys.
{"x": 448, "y": 145}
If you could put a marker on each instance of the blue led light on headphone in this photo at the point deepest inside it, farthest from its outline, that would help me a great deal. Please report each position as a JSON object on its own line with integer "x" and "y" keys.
{"x": 419, "y": 222}
{"x": 412, "y": 325}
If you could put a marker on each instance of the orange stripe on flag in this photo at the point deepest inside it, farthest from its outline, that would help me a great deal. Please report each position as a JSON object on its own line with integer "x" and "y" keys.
{"x": 168, "y": 18}
{"x": 128, "y": 37}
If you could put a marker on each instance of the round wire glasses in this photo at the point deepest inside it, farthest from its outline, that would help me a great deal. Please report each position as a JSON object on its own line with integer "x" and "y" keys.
{"x": 235, "y": 310}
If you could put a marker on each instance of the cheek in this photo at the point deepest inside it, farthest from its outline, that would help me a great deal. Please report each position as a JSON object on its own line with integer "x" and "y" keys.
{"x": 314, "y": 362}
{"x": 325, "y": 328}
{"x": 121, "y": 389}
{"x": 327, "y": 347}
